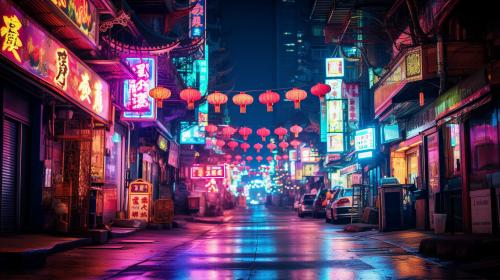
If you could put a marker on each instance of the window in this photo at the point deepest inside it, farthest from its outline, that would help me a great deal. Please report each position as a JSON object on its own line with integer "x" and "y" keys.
{"x": 452, "y": 146}
{"x": 484, "y": 151}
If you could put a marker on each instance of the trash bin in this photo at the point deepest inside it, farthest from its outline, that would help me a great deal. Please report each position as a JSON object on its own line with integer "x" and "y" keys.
{"x": 439, "y": 223}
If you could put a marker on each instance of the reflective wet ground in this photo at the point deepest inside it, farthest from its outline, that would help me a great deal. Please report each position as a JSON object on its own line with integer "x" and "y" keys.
{"x": 275, "y": 244}
{"x": 258, "y": 243}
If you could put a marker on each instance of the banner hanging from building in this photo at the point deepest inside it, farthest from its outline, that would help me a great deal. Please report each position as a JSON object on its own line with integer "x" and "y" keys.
{"x": 33, "y": 49}
{"x": 136, "y": 100}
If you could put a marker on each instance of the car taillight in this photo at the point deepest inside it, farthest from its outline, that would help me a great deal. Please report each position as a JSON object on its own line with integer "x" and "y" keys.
{"x": 344, "y": 201}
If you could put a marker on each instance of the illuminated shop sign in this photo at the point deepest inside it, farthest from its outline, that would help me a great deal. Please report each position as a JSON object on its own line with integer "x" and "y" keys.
{"x": 162, "y": 143}
{"x": 323, "y": 121}
{"x": 310, "y": 169}
{"x": 139, "y": 106}
{"x": 173, "y": 155}
{"x": 335, "y": 88}
{"x": 292, "y": 155}
{"x": 390, "y": 133}
{"x": 309, "y": 155}
{"x": 365, "y": 155}
{"x": 197, "y": 19}
{"x": 139, "y": 200}
{"x": 27, "y": 45}
{"x": 192, "y": 133}
{"x": 207, "y": 171}
{"x": 350, "y": 169}
{"x": 351, "y": 93}
{"x": 82, "y": 13}
{"x": 334, "y": 67}
{"x": 335, "y": 143}
{"x": 364, "y": 139}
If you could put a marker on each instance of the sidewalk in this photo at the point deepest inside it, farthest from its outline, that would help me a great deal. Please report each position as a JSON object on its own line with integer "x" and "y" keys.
{"x": 228, "y": 215}
{"x": 33, "y": 249}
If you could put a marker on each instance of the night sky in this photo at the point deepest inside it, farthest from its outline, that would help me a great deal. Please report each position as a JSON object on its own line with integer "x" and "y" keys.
{"x": 249, "y": 31}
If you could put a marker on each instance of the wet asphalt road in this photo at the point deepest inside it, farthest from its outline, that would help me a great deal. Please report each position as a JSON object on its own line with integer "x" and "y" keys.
{"x": 258, "y": 243}
{"x": 275, "y": 244}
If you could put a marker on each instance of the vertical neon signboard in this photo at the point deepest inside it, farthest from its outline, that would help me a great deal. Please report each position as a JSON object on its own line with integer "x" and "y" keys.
{"x": 334, "y": 67}
{"x": 335, "y": 126}
{"x": 139, "y": 105}
{"x": 323, "y": 121}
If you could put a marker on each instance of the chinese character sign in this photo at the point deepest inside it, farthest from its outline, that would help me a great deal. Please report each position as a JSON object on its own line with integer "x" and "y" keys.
{"x": 364, "y": 139}
{"x": 139, "y": 200}
{"x": 335, "y": 88}
{"x": 139, "y": 105}
{"x": 335, "y": 143}
{"x": 82, "y": 13}
{"x": 351, "y": 93}
{"x": 197, "y": 19}
{"x": 29, "y": 46}
{"x": 207, "y": 171}
{"x": 335, "y": 116}
{"x": 334, "y": 67}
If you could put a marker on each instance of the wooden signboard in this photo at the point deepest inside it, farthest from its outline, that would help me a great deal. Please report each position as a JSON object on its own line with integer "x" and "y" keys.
{"x": 139, "y": 200}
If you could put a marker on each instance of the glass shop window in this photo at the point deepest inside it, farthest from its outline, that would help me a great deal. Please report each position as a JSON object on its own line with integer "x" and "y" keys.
{"x": 485, "y": 159}
{"x": 452, "y": 145}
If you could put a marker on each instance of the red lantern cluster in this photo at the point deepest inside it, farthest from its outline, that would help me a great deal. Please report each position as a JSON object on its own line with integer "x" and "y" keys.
{"x": 296, "y": 129}
{"x": 258, "y": 158}
{"x": 228, "y": 131}
{"x": 278, "y": 157}
{"x": 220, "y": 143}
{"x": 296, "y": 95}
{"x": 271, "y": 146}
{"x": 228, "y": 157}
{"x": 217, "y": 98}
{"x": 243, "y": 100}
{"x": 263, "y": 132}
{"x": 249, "y": 158}
{"x": 232, "y": 145}
{"x": 284, "y": 157}
{"x": 245, "y": 131}
{"x": 269, "y": 158}
{"x": 295, "y": 143}
{"x": 283, "y": 145}
{"x": 257, "y": 147}
{"x": 269, "y": 98}
{"x": 190, "y": 95}
{"x": 280, "y": 131}
{"x": 211, "y": 129}
{"x": 244, "y": 146}
{"x": 238, "y": 157}
{"x": 320, "y": 90}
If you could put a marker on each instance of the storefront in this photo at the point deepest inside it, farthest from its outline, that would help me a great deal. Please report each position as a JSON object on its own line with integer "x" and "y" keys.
{"x": 56, "y": 132}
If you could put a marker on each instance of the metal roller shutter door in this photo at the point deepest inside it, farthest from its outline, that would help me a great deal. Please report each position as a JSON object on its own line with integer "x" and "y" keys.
{"x": 8, "y": 199}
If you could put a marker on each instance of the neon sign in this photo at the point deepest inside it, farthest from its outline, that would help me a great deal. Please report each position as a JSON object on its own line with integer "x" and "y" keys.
{"x": 139, "y": 105}
{"x": 208, "y": 172}
{"x": 30, "y": 47}
{"x": 82, "y": 13}
{"x": 334, "y": 67}
{"x": 10, "y": 32}
{"x": 197, "y": 19}
{"x": 364, "y": 139}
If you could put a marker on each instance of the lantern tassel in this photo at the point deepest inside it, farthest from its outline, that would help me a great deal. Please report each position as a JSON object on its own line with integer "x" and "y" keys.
{"x": 296, "y": 104}
{"x": 269, "y": 107}
{"x": 217, "y": 108}
{"x": 243, "y": 109}
{"x": 159, "y": 103}
{"x": 191, "y": 106}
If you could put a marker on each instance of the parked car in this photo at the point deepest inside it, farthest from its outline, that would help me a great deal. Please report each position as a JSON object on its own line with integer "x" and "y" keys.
{"x": 305, "y": 205}
{"x": 340, "y": 206}
{"x": 319, "y": 209}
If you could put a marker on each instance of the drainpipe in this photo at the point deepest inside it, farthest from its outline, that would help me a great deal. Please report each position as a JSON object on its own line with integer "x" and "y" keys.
{"x": 441, "y": 63}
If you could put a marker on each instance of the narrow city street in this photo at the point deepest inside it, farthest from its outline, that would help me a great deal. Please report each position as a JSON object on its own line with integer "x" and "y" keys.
{"x": 257, "y": 243}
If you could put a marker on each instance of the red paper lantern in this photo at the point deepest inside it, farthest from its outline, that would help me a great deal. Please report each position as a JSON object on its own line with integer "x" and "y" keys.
{"x": 220, "y": 143}
{"x": 190, "y": 95}
{"x": 211, "y": 129}
{"x": 160, "y": 93}
{"x": 232, "y": 145}
{"x": 284, "y": 157}
{"x": 271, "y": 146}
{"x": 228, "y": 157}
{"x": 244, "y": 146}
{"x": 283, "y": 145}
{"x": 237, "y": 157}
{"x": 295, "y": 143}
{"x": 320, "y": 90}
{"x": 263, "y": 132}
{"x": 257, "y": 147}
{"x": 296, "y": 129}
{"x": 269, "y": 158}
{"x": 258, "y": 158}
{"x": 217, "y": 98}
{"x": 296, "y": 95}
{"x": 228, "y": 131}
{"x": 245, "y": 131}
{"x": 278, "y": 157}
{"x": 249, "y": 158}
{"x": 280, "y": 131}
{"x": 269, "y": 98}
{"x": 242, "y": 99}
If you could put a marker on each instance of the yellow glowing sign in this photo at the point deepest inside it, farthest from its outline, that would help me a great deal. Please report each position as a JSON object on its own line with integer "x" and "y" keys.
{"x": 62, "y": 65}
{"x": 97, "y": 106}
{"x": 85, "y": 89}
{"x": 10, "y": 32}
